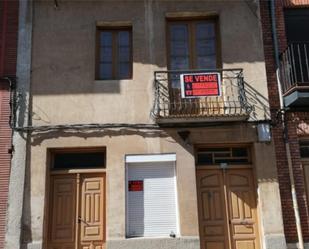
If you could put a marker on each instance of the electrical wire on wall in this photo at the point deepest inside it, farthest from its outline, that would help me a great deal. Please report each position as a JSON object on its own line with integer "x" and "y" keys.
{"x": 14, "y": 102}
{"x": 76, "y": 127}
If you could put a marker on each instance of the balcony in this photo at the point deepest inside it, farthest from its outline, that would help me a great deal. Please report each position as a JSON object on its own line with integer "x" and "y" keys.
{"x": 294, "y": 67}
{"x": 170, "y": 107}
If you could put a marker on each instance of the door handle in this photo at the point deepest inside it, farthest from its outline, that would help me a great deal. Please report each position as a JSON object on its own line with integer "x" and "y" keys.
{"x": 80, "y": 220}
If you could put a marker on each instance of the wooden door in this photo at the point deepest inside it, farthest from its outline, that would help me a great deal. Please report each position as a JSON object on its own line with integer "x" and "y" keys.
{"x": 227, "y": 209}
{"x": 241, "y": 199}
{"x": 62, "y": 215}
{"x": 306, "y": 176}
{"x": 212, "y": 213}
{"x": 91, "y": 218}
{"x": 77, "y": 212}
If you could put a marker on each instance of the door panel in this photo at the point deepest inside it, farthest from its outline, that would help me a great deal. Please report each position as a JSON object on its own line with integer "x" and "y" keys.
{"x": 92, "y": 212}
{"x": 242, "y": 209}
{"x": 211, "y": 203}
{"x": 63, "y": 212}
{"x": 69, "y": 197}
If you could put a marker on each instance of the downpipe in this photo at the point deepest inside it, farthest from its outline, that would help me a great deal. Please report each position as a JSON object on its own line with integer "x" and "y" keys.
{"x": 285, "y": 128}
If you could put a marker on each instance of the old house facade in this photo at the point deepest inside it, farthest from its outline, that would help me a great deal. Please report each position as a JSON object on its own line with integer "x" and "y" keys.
{"x": 149, "y": 127}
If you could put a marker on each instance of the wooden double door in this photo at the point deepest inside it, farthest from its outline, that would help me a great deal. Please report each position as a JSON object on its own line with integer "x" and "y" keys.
{"x": 227, "y": 209}
{"x": 77, "y": 211}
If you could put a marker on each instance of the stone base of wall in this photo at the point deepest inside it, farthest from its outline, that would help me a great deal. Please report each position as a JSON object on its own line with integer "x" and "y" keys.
{"x": 141, "y": 243}
{"x": 155, "y": 243}
{"x": 275, "y": 242}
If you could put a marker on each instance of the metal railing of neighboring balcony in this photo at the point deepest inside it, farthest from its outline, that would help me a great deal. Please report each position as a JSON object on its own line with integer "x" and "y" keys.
{"x": 294, "y": 63}
{"x": 169, "y": 103}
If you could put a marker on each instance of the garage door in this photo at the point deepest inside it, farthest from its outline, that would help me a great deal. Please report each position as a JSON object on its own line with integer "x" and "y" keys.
{"x": 151, "y": 199}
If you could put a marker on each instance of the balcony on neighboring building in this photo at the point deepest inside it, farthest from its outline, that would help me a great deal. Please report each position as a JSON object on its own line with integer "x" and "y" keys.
{"x": 295, "y": 75}
{"x": 212, "y": 101}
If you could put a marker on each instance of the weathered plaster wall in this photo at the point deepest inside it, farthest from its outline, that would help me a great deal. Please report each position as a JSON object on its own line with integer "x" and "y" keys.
{"x": 121, "y": 143}
{"x": 63, "y": 63}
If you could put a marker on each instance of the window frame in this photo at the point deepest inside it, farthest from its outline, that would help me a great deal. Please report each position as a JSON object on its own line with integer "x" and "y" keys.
{"x": 249, "y": 157}
{"x": 191, "y": 21}
{"x": 52, "y": 152}
{"x": 114, "y": 30}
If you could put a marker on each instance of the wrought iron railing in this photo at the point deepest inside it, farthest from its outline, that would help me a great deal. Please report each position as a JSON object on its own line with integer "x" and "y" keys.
{"x": 294, "y": 67}
{"x": 231, "y": 103}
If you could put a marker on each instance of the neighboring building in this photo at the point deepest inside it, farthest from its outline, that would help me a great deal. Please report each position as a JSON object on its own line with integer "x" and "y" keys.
{"x": 117, "y": 158}
{"x": 8, "y": 45}
{"x": 292, "y": 19}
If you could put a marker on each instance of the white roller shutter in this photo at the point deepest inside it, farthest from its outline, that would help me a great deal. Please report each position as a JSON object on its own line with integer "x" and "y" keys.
{"x": 152, "y": 211}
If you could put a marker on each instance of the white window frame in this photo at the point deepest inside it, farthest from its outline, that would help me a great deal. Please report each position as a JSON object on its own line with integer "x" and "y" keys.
{"x": 144, "y": 158}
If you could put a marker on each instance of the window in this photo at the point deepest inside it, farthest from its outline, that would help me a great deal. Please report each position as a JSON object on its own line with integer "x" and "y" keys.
{"x": 304, "y": 149}
{"x": 296, "y": 24}
{"x": 151, "y": 196}
{"x": 231, "y": 155}
{"x": 114, "y": 53}
{"x": 193, "y": 44}
{"x": 78, "y": 159}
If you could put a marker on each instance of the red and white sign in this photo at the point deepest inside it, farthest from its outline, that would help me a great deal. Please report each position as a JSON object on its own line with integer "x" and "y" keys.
{"x": 194, "y": 85}
{"x": 136, "y": 186}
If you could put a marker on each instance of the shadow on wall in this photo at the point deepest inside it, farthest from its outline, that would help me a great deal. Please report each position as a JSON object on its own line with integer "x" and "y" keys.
{"x": 257, "y": 101}
{"x": 64, "y": 40}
